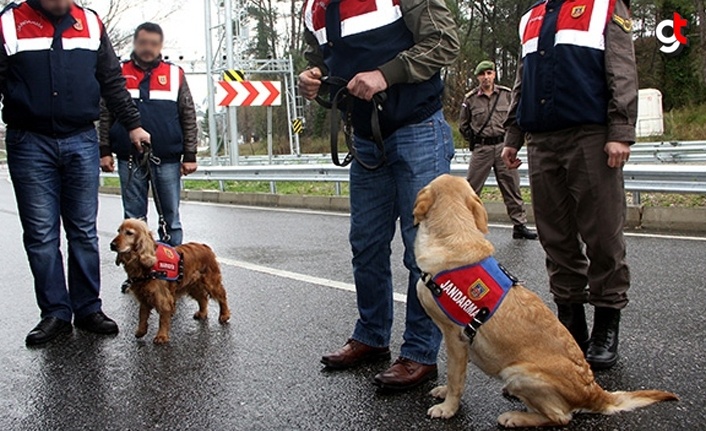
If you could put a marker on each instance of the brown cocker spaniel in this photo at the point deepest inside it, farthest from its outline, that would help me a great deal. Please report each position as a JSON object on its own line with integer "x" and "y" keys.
{"x": 200, "y": 277}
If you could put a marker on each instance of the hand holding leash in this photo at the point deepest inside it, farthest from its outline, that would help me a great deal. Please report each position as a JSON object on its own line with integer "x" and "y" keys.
{"x": 309, "y": 83}
{"x": 138, "y": 137}
{"x": 366, "y": 85}
{"x": 342, "y": 100}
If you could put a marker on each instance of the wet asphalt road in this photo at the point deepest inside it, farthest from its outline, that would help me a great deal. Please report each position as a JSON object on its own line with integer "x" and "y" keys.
{"x": 286, "y": 274}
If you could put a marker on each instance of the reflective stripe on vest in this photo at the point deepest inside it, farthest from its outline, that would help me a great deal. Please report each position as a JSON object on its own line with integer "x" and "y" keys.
{"x": 165, "y": 81}
{"x": 25, "y": 29}
{"x": 356, "y": 17}
{"x": 579, "y": 25}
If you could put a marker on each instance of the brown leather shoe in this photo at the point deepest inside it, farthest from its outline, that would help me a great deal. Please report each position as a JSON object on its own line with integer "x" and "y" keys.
{"x": 354, "y": 353}
{"x": 405, "y": 374}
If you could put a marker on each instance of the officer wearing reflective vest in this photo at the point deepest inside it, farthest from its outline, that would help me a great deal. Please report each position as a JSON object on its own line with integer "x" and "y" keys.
{"x": 575, "y": 106}
{"x": 160, "y": 91}
{"x": 398, "y": 47}
{"x": 56, "y": 62}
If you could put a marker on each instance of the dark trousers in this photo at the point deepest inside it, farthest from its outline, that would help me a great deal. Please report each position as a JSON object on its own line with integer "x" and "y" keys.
{"x": 56, "y": 182}
{"x": 579, "y": 207}
{"x": 487, "y": 157}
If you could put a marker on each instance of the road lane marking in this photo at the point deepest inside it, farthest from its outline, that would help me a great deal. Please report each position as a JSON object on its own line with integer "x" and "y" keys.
{"x": 399, "y": 297}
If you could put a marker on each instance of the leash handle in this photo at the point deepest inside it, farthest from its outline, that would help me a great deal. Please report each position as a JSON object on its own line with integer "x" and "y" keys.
{"x": 341, "y": 97}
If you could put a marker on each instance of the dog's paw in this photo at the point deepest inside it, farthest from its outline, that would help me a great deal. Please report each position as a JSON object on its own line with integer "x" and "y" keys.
{"x": 512, "y": 420}
{"x": 200, "y": 316}
{"x": 224, "y": 318}
{"x": 140, "y": 333}
{"x": 161, "y": 339}
{"x": 439, "y": 392}
{"x": 443, "y": 410}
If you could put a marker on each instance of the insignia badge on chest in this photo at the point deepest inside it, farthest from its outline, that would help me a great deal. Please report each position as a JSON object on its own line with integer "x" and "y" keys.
{"x": 162, "y": 79}
{"x": 78, "y": 25}
{"x": 577, "y": 11}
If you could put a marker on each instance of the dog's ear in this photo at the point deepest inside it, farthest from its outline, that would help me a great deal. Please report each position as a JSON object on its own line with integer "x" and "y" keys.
{"x": 145, "y": 247}
{"x": 425, "y": 199}
{"x": 480, "y": 215}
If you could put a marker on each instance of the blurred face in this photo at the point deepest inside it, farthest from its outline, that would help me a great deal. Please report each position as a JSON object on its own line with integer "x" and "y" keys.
{"x": 486, "y": 79}
{"x": 147, "y": 46}
{"x": 56, "y": 7}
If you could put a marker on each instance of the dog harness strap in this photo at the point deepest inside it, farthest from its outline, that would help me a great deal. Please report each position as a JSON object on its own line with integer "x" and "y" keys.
{"x": 472, "y": 328}
{"x": 431, "y": 284}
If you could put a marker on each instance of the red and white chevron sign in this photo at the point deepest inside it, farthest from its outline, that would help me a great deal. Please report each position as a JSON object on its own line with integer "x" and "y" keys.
{"x": 249, "y": 93}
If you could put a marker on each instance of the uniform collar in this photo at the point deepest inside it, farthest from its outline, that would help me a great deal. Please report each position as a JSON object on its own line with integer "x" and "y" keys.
{"x": 145, "y": 66}
{"x": 481, "y": 93}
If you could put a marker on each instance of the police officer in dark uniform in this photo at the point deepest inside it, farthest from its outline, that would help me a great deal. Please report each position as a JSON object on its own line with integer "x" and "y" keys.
{"x": 56, "y": 62}
{"x": 575, "y": 103}
{"x": 483, "y": 113}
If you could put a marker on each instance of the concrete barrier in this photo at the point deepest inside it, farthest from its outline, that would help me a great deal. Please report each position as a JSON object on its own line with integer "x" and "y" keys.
{"x": 674, "y": 219}
{"x": 689, "y": 220}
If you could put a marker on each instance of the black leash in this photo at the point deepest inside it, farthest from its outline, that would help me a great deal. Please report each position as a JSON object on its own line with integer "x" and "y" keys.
{"x": 342, "y": 100}
{"x": 145, "y": 161}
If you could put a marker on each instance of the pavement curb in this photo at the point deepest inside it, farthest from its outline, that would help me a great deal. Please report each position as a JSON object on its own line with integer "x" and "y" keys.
{"x": 670, "y": 219}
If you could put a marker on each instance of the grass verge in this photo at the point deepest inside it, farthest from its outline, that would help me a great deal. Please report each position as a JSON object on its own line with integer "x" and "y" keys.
{"x": 329, "y": 189}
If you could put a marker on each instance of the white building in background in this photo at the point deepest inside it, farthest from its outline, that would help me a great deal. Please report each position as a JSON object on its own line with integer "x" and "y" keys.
{"x": 650, "y": 116}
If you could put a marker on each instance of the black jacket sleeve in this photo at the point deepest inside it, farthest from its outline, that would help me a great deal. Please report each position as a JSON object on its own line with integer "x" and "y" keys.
{"x": 105, "y": 122}
{"x": 112, "y": 83}
{"x": 189, "y": 125}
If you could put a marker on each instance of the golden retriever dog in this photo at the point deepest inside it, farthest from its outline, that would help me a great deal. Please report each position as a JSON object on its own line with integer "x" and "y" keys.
{"x": 522, "y": 343}
{"x": 136, "y": 251}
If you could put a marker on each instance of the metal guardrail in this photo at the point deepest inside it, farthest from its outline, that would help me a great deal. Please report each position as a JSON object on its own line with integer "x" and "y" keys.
{"x": 665, "y": 167}
{"x": 642, "y": 152}
{"x": 638, "y": 177}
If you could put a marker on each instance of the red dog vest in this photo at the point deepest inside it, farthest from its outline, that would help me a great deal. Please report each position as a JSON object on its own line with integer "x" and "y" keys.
{"x": 467, "y": 290}
{"x": 169, "y": 264}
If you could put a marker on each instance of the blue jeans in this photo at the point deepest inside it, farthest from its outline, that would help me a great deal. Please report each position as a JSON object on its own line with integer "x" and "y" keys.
{"x": 135, "y": 186}
{"x": 56, "y": 181}
{"x": 416, "y": 154}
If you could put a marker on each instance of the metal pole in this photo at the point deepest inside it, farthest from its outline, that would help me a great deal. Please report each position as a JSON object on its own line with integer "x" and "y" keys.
{"x": 212, "y": 129}
{"x": 269, "y": 134}
{"x": 292, "y": 109}
{"x": 230, "y": 63}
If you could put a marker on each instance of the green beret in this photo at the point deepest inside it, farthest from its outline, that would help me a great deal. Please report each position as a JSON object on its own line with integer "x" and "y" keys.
{"x": 483, "y": 66}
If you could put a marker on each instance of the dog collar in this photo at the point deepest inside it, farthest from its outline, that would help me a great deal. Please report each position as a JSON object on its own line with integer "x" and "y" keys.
{"x": 469, "y": 295}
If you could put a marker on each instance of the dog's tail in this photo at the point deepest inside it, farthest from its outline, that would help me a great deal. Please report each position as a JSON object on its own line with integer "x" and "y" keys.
{"x": 620, "y": 401}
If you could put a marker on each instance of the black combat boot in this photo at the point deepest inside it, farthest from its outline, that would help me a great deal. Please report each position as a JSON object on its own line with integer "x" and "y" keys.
{"x": 603, "y": 346}
{"x": 573, "y": 317}
{"x": 521, "y": 231}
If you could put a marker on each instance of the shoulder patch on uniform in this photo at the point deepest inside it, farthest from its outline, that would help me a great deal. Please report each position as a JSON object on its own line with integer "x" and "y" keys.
{"x": 470, "y": 93}
{"x": 624, "y": 23}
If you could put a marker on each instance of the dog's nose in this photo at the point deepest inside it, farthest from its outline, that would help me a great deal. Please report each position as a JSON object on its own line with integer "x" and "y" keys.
{"x": 113, "y": 246}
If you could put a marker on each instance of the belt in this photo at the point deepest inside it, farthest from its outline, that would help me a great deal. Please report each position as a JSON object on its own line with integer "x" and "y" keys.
{"x": 489, "y": 141}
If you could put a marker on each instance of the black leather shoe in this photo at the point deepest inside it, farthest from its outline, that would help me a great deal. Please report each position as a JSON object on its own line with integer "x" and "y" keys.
{"x": 98, "y": 323}
{"x": 573, "y": 317}
{"x": 521, "y": 231}
{"x": 603, "y": 347}
{"x": 48, "y": 329}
